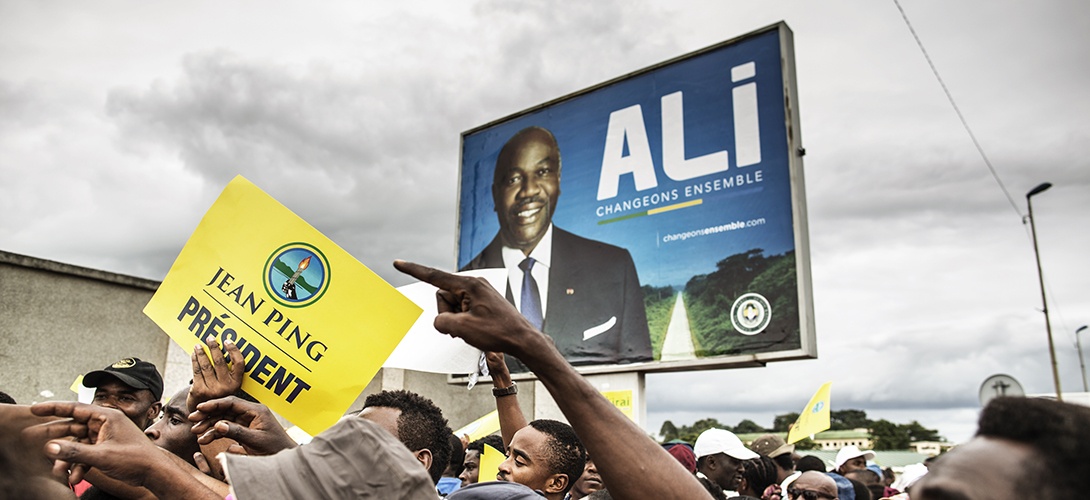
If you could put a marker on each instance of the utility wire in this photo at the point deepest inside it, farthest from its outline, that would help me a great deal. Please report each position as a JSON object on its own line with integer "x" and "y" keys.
{"x": 957, "y": 110}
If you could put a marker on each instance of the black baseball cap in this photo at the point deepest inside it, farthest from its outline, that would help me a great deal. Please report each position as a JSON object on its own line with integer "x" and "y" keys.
{"x": 132, "y": 372}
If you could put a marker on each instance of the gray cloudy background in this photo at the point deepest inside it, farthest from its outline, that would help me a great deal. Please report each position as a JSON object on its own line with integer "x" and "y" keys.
{"x": 120, "y": 122}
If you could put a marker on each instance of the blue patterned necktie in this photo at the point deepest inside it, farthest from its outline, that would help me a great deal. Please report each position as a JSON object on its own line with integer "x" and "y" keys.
{"x": 531, "y": 297}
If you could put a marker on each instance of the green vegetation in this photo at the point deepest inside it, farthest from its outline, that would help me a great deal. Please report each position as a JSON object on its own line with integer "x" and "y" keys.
{"x": 709, "y": 297}
{"x": 659, "y": 303}
{"x": 886, "y": 435}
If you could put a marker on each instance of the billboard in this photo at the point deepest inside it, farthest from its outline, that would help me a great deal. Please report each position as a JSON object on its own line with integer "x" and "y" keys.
{"x": 656, "y": 221}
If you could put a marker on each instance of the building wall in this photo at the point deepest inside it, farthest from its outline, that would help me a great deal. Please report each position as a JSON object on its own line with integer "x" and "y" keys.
{"x": 59, "y": 321}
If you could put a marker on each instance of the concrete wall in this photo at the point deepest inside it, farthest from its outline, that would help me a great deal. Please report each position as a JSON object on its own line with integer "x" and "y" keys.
{"x": 59, "y": 321}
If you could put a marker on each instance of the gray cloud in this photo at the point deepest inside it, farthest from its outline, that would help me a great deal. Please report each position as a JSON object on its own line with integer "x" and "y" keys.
{"x": 924, "y": 280}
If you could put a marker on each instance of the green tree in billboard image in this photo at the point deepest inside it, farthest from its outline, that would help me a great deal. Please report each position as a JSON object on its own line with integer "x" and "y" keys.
{"x": 710, "y": 298}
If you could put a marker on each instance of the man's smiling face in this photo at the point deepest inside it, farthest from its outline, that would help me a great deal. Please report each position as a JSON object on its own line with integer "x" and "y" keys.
{"x": 526, "y": 187}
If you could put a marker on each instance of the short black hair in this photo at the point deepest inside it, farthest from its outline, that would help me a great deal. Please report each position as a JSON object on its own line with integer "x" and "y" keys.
{"x": 491, "y": 440}
{"x": 1058, "y": 432}
{"x": 457, "y": 456}
{"x": 759, "y": 473}
{"x": 860, "y": 489}
{"x": 421, "y": 425}
{"x": 712, "y": 488}
{"x": 872, "y": 477}
{"x": 785, "y": 461}
{"x": 566, "y": 452}
{"x": 810, "y": 462}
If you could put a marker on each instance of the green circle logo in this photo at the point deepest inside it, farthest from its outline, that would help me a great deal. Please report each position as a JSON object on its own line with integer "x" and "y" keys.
{"x": 750, "y": 314}
{"x": 297, "y": 274}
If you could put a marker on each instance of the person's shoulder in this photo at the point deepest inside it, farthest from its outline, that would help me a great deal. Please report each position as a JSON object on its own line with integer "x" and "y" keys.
{"x": 489, "y": 257}
{"x": 572, "y": 240}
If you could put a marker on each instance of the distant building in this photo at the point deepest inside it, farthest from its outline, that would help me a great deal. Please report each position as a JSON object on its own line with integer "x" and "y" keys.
{"x": 931, "y": 448}
{"x": 827, "y": 440}
{"x": 835, "y": 440}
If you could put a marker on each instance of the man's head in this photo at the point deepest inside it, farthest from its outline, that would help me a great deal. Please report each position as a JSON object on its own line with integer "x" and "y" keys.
{"x": 782, "y": 454}
{"x": 416, "y": 422}
{"x": 851, "y": 458}
{"x": 809, "y": 462}
{"x": 865, "y": 476}
{"x": 130, "y": 385}
{"x": 719, "y": 455}
{"x": 1024, "y": 448}
{"x": 472, "y": 462}
{"x": 545, "y": 455}
{"x": 457, "y": 457}
{"x": 525, "y": 187}
{"x": 812, "y": 485}
{"x": 757, "y": 474}
{"x": 589, "y": 482}
{"x": 173, "y": 431}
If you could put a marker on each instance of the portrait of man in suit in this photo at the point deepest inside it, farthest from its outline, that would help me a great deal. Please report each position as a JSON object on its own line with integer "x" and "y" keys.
{"x": 585, "y": 294}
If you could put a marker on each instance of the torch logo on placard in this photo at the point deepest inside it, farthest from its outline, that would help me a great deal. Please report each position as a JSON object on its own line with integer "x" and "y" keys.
{"x": 297, "y": 274}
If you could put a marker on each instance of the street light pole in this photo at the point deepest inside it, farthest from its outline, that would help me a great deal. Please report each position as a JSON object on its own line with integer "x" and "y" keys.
{"x": 1041, "y": 277}
{"x": 1082, "y": 366}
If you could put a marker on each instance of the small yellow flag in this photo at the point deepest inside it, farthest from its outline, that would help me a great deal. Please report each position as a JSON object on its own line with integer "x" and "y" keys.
{"x": 481, "y": 427}
{"x": 77, "y": 384}
{"x": 814, "y": 418}
{"x": 490, "y": 464}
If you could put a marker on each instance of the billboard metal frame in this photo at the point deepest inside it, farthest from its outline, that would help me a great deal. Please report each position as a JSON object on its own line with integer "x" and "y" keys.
{"x": 795, "y": 152}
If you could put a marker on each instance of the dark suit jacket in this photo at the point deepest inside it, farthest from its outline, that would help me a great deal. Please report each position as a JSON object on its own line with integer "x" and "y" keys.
{"x": 592, "y": 286}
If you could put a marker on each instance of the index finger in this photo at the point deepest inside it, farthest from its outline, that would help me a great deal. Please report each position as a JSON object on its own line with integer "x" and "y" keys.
{"x": 67, "y": 409}
{"x": 224, "y": 405}
{"x": 440, "y": 279}
{"x": 56, "y": 429}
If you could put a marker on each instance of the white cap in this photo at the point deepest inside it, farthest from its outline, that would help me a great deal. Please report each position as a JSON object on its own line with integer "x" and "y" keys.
{"x": 849, "y": 452}
{"x": 714, "y": 441}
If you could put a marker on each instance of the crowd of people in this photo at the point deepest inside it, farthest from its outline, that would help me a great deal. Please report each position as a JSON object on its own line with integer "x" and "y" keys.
{"x": 211, "y": 441}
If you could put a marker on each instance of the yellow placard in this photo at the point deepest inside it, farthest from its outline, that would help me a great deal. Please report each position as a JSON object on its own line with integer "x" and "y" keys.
{"x": 481, "y": 427}
{"x": 813, "y": 419}
{"x": 621, "y": 399}
{"x": 490, "y": 464}
{"x": 76, "y": 384}
{"x": 313, "y": 324}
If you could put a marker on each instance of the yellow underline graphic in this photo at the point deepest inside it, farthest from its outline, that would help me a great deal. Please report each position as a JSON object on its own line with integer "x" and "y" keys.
{"x": 676, "y": 206}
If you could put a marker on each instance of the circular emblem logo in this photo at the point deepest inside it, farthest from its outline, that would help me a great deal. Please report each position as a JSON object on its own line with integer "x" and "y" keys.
{"x": 750, "y": 314}
{"x": 297, "y": 274}
{"x": 125, "y": 363}
{"x": 818, "y": 407}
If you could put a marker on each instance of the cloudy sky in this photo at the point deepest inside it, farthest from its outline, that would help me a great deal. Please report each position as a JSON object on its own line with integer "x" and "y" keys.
{"x": 120, "y": 122}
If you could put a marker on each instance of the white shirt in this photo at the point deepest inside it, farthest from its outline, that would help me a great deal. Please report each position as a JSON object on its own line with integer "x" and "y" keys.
{"x": 542, "y": 254}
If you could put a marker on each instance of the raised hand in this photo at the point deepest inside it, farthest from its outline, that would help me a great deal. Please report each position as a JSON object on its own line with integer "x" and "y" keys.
{"x": 252, "y": 425}
{"x": 214, "y": 378}
{"x": 470, "y": 309}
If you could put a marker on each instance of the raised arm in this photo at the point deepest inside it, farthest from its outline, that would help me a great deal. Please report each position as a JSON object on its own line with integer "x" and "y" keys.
{"x": 507, "y": 405}
{"x": 630, "y": 463}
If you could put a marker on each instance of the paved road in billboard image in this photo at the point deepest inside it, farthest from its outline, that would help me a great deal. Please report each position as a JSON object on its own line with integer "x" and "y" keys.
{"x": 679, "y": 339}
